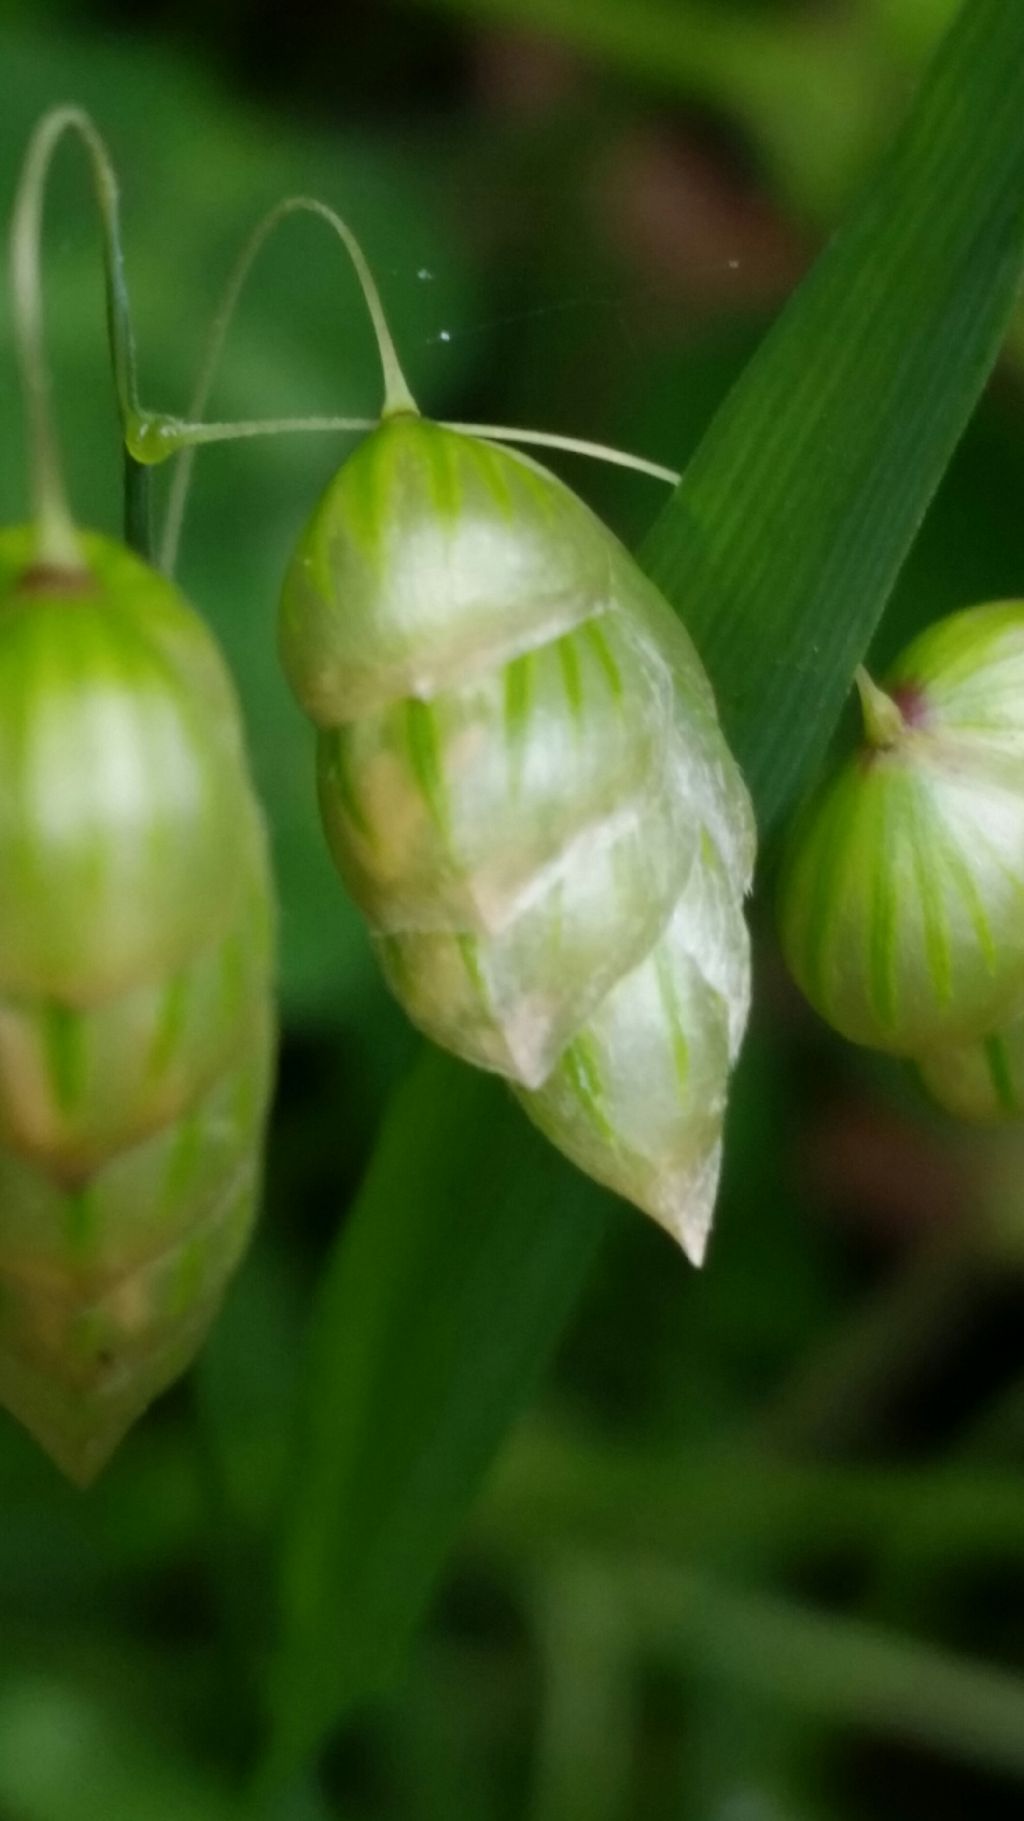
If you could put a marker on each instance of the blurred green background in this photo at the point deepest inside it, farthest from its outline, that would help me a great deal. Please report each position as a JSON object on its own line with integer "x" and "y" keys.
{"x": 756, "y": 1552}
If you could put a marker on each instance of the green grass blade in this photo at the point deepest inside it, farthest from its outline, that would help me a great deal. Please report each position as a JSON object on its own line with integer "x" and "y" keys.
{"x": 783, "y": 543}
{"x": 468, "y": 1243}
{"x": 465, "y": 1251}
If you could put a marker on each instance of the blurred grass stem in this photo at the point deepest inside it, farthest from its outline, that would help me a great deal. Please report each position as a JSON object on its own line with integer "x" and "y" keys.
{"x": 833, "y": 1667}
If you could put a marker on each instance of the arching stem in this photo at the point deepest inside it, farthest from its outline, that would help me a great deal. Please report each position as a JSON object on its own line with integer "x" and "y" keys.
{"x": 397, "y": 396}
{"x": 58, "y": 542}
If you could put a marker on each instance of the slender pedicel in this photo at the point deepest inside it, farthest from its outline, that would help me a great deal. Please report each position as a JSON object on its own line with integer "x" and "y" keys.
{"x": 155, "y": 438}
{"x": 397, "y": 396}
{"x": 58, "y": 544}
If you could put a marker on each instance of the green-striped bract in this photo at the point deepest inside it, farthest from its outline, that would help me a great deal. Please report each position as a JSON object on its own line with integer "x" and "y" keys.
{"x": 136, "y": 1027}
{"x": 902, "y": 901}
{"x": 523, "y": 783}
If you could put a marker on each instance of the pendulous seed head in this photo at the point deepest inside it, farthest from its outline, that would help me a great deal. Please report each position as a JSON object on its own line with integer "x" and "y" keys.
{"x": 136, "y": 1026}
{"x": 902, "y": 899}
{"x": 523, "y": 784}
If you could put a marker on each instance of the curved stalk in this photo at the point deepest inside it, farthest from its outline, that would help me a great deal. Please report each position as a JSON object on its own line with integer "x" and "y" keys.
{"x": 397, "y": 396}
{"x": 58, "y": 542}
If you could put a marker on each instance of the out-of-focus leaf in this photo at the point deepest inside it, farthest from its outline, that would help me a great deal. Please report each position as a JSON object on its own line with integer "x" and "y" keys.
{"x": 782, "y": 544}
{"x": 468, "y": 1243}
{"x": 557, "y": 1486}
{"x": 65, "y": 1757}
{"x": 814, "y": 97}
